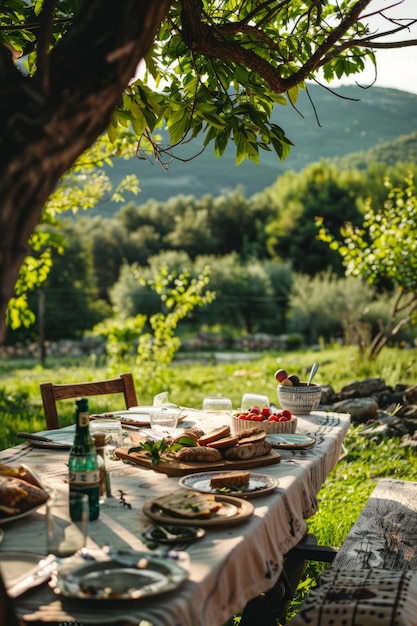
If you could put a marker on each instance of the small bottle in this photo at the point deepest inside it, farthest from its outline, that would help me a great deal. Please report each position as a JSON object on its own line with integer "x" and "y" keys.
{"x": 99, "y": 440}
{"x": 84, "y": 473}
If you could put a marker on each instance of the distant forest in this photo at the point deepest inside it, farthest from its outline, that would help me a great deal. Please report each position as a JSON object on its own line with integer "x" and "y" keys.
{"x": 263, "y": 253}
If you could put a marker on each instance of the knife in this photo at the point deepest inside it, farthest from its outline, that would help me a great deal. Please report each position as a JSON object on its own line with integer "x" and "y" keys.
{"x": 34, "y": 437}
{"x": 24, "y": 435}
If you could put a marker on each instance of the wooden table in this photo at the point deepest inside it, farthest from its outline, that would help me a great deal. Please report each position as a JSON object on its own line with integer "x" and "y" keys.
{"x": 227, "y": 568}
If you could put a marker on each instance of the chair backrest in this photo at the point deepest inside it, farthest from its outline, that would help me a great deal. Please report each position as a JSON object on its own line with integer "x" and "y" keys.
{"x": 52, "y": 393}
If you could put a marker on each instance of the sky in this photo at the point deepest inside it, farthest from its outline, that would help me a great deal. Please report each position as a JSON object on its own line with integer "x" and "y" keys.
{"x": 396, "y": 68}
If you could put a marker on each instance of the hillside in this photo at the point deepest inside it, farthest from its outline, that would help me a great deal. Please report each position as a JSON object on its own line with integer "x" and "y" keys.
{"x": 329, "y": 124}
{"x": 403, "y": 149}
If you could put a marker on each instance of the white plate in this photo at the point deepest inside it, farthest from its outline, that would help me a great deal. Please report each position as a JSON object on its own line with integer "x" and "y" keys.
{"x": 110, "y": 580}
{"x": 259, "y": 484}
{"x": 233, "y": 511}
{"x": 12, "y": 518}
{"x": 141, "y": 415}
{"x": 62, "y": 439}
{"x": 290, "y": 441}
{"x": 19, "y": 566}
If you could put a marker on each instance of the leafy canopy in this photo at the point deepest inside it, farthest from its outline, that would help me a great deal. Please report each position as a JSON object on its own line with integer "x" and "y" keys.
{"x": 385, "y": 248}
{"x": 217, "y": 68}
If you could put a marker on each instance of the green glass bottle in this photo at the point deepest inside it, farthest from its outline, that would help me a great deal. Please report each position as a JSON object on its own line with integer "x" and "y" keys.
{"x": 84, "y": 471}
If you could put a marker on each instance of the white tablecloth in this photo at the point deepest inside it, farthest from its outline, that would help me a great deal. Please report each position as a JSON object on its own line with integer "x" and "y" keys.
{"x": 228, "y": 567}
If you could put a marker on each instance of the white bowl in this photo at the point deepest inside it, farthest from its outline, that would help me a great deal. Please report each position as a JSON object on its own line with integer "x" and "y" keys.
{"x": 300, "y": 400}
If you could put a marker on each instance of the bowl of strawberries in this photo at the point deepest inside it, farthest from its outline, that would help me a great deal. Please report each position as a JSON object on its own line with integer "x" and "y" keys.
{"x": 265, "y": 418}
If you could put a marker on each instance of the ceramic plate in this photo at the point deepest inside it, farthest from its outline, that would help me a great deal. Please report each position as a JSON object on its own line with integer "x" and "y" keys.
{"x": 182, "y": 534}
{"x": 290, "y": 441}
{"x": 24, "y": 570}
{"x": 12, "y": 518}
{"x": 110, "y": 580}
{"x": 61, "y": 439}
{"x": 233, "y": 511}
{"x": 140, "y": 416}
{"x": 259, "y": 484}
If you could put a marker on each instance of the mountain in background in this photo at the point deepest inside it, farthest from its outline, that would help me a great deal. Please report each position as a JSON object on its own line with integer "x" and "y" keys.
{"x": 324, "y": 124}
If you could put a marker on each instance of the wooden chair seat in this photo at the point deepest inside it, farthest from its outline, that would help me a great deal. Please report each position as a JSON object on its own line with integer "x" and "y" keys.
{"x": 52, "y": 393}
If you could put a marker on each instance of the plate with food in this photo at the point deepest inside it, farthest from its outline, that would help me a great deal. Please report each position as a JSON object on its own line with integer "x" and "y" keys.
{"x": 21, "y": 492}
{"x": 290, "y": 441}
{"x": 148, "y": 575}
{"x": 173, "y": 533}
{"x": 239, "y": 483}
{"x": 190, "y": 508}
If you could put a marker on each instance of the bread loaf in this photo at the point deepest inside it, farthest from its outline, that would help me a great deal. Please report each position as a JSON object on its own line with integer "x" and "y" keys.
{"x": 248, "y": 451}
{"x": 224, "y": 442}
{"x": 199, "y": 454}
{"x": 213, "y": 435}
{"x": 18, "y": 496}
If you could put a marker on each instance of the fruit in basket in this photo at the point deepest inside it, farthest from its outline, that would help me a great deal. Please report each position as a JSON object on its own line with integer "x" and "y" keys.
{"x": 266, "y": 415}
{"x": 294, "y": 379}
{"x": 280, "y": 375}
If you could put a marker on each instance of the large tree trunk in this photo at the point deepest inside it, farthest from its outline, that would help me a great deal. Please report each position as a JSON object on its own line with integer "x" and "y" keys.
{"x": 47, "y": 121}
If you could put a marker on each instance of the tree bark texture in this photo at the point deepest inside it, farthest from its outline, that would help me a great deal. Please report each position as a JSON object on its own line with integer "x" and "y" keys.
{"x": 48, "y": 120}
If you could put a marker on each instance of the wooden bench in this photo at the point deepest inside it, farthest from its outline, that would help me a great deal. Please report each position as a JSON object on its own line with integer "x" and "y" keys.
{"x": 380, "y": 550}
{"x": 385, "y": 534}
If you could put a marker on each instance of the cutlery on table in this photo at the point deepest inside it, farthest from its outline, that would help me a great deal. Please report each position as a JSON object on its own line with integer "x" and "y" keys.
{"x": 34, "y": 437}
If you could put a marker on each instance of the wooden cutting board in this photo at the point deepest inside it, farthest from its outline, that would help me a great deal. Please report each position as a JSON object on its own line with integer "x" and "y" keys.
{"x": 173, "y": 467}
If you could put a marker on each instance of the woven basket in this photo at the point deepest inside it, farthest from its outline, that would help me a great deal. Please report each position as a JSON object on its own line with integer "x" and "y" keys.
{"x": 239, "y": 426}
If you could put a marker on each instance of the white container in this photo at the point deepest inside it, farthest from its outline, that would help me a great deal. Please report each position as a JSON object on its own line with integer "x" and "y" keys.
{"x": 251, "y": 399}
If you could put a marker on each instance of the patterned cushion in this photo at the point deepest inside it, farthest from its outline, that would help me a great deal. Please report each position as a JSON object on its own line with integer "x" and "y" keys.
{"x": 361, "y": 598}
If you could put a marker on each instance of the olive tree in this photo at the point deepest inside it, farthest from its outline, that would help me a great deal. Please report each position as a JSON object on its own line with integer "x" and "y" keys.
{"x": 384, "y": 249}
{"x": 67, "y": 70}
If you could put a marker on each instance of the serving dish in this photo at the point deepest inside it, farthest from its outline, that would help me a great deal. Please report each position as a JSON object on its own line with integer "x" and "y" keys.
{"x": 291, "y": 441}
{"x": 233, "y": 511}
{"x": 13, "y": 518}
{"x": 259, "y": 485}
{"x": 111, "y": 580}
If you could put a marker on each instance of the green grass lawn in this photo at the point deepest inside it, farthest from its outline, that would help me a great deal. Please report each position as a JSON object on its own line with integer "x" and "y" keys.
{"x": 348, "y": 486}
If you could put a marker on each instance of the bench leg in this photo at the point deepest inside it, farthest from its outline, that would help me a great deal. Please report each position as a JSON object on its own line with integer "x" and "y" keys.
{"x": 272, "y": 605}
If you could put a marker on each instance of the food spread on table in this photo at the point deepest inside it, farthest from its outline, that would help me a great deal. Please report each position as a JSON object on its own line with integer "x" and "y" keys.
{"x": 196, "y": 450}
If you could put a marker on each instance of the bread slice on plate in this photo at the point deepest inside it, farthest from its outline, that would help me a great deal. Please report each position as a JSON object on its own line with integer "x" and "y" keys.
{"x": 186, "y": 503}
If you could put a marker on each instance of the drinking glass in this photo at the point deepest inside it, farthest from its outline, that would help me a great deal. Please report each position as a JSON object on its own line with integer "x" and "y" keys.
{"x": 164, "y": 423}
{"x": 251, "y": 399}
{"x": 217, "y": 404}
{"x": 113, "y": 431}
{"x": 65, "y": 536}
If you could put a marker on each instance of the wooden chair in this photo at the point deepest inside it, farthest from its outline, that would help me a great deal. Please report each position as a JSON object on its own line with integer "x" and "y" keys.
{"x": 52, "y": 393}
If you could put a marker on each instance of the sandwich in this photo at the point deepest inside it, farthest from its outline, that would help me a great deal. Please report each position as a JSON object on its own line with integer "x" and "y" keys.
{"x": 189, "y": 504}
